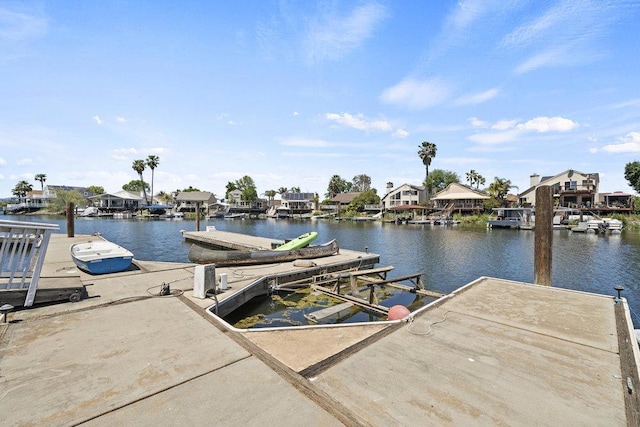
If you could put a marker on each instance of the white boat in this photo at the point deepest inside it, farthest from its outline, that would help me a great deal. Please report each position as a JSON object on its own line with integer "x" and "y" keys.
{"x": 512, "y": 217}
{"x": 100, "y": 257}
{"x": 604, "y": 225}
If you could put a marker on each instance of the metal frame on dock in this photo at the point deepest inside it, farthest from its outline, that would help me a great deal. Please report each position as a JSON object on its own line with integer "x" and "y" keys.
{"x": 24, "y": 245}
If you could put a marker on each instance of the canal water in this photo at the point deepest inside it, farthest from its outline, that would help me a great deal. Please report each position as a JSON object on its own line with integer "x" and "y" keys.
{"x": 447, "y": 256}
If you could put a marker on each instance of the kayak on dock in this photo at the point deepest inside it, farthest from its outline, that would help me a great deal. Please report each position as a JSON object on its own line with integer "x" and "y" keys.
{"x": 299, "y": 242}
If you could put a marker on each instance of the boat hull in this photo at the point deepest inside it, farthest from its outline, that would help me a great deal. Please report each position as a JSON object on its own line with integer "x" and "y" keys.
{"x": 101, "y": 257}
{"x": 201, "y": 255}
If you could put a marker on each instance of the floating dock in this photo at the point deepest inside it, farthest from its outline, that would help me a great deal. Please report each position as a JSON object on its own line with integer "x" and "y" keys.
{"x": 494, "y": 352}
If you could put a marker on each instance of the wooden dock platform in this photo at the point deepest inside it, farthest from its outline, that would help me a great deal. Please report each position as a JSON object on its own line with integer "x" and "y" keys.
{"x": 494, "y": 352}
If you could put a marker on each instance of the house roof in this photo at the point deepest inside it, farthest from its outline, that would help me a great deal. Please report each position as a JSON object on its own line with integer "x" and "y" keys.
{"x": 457, "y": 191}
{"x": 414, "y": 187}
{"x": 345, "y": 198}
{"x": 195, "y": 196}
{"x": 122, "y": 194}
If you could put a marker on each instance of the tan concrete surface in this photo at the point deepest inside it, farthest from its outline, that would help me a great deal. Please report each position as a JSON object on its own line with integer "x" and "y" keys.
{"x": 493, "y": 353}
{"x": 477, "y": 359}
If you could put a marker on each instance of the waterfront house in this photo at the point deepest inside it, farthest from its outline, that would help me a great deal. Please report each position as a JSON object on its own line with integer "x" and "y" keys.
{"x": 404, "y": 195}
{"x": 571, "y": 189}
{"x": 459, "y": 198}
{"x": 189, "y": 201}
{"x": 338, "y": 202}
{"x": 298, "y": 203}
{"x": 119, "y": 201}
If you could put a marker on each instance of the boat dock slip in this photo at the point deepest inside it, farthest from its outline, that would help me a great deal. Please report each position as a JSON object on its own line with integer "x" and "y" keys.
{"x": 494, "y": 352}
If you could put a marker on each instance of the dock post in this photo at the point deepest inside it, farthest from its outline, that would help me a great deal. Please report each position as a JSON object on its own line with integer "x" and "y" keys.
{"x": 71, "y": 232}
{"x": 197, "y": 216}
{"x": 543, "y": 239}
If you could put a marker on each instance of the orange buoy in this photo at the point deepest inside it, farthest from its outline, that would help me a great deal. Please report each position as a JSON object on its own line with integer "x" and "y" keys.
{"x": 398, "y": 312}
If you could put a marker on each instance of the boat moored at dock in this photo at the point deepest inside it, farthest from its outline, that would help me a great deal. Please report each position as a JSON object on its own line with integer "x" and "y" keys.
{"x": 101, "y": 257}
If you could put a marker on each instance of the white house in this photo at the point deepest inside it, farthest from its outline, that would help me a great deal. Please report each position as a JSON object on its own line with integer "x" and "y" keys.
{"x": 571, "y": 188}
{"x": 404, "y": 195}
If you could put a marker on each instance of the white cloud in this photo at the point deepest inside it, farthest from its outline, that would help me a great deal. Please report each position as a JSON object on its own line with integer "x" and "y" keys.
{"x": 97, "y": 119}
{"x": 359, "y": 121}
{"x": 333, "y": 35}
{"x": 477, "y": 98}
{"x": 477, "y": 123}
{"x": 504, "y": 125}
{"x": 2, "y": 161}
{"x": 510, "y": 130}
{"x": 630, "y": 144}
{"x": 401, "y": 133}
{"x": 119, "y": 119}
{"x": 295, "y": 114}
{"x": 417, "y": 94}
{"x": 548, "y": 124}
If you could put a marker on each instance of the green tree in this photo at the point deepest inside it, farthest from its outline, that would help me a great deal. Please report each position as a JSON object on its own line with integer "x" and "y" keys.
{"x": 361, "y": 182}
{"x": 438, "y": 180}
{"x": 189, "y": 189}
{"x": 139, "y": 166}
{"x": 427, "y": 151}
{"x": 165, "y": 198}
{"x": 499, "y": 189}
{"x": 21, "y": 189}
{"x": 632, "y": 175}
{"x": 42, "y": 178}
{"x": 294, "y": 190}
{"x": 152, "y": 162}
{"x": 248, "y": 188}
{"x": 96, "y": 189}
{"x": 64, "y": 197}
{"x": 367, "y": 197}
{"x": 135, "y": 186}
{"x": 282, "y": 190}
{"x": 337, "y": 185}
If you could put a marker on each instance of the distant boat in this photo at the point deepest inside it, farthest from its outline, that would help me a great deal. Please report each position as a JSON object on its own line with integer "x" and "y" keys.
{"x": 202, "y": 255}
{"x": 299, "y": 242}
{"x": 100, "y": 257}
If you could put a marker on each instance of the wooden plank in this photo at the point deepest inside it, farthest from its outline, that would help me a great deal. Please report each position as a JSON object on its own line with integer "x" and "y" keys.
{"x": 357, "y": 301}
{"x": 327, "y": 312}
{"x": 372, "y": 271}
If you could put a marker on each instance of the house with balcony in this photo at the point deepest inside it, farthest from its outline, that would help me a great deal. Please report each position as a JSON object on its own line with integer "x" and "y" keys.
{"x": 406, "y": 195}
{"x": 251, "y": 207}
{"x": 571, "y": 189}
{"x": 459, "y": 198}
{"x": 298, "y": 203}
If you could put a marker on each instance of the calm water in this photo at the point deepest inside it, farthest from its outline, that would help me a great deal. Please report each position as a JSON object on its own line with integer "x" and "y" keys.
{"x": 448, "y": 257}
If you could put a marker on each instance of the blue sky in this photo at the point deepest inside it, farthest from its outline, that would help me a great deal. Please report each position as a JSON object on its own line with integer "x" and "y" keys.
{"x": 293, "y": 92}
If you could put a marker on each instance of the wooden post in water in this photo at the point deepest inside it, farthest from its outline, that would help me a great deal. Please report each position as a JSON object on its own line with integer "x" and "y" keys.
{"x": 197, "y": 216}
{"x": 71, "y": 232}
{"x": 543, "y": 236}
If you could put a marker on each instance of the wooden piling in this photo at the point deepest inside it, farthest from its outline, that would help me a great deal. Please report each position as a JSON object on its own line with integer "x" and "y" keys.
{"x": 71, "y": 219}
{"x": 197, "y": 216}
{"x": 543, "y": 236}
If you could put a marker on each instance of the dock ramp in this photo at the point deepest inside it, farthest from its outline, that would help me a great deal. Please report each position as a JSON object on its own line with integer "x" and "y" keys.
{"x": 22, "y": 250}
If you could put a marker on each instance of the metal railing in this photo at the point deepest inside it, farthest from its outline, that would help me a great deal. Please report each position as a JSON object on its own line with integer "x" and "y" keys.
{"x": 22, "y": 250}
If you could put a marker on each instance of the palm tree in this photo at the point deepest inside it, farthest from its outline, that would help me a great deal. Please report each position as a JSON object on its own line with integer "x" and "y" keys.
{"x": 139, "y": 166}
{"x": 42, "y": 178}
{"x": 499, "y": 189}
{"x": 152, "y": 162}
{"x": 21, "y": 189}
{"x": 282, "y": 190}
{"x": 427, "y": 151}
{"x": 270, "y": 195}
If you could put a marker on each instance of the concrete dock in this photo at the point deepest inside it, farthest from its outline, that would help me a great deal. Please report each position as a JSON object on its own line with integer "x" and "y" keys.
{"x": 494, "y": 352}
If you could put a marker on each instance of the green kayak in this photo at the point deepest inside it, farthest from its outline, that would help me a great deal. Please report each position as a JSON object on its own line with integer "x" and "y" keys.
{"x": 298, "y": 242}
